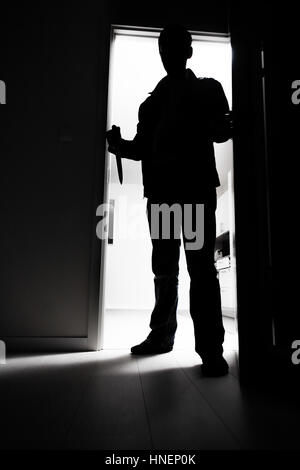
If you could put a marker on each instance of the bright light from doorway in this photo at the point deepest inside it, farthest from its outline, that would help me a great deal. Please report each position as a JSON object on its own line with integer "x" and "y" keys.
{"x": 136, "y": 69}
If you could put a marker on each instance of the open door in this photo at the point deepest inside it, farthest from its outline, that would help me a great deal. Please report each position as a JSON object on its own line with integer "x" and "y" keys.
{"x": 252, "y": 211}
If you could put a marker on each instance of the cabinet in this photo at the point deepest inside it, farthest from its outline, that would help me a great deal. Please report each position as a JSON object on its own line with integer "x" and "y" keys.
{"x": 226, "y": 249}
{"x": 226, "y": 287}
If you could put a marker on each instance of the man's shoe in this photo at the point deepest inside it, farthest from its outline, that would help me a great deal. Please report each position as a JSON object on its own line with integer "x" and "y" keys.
{"x": 215, "y": 368}
{"x": 149, "y": 347}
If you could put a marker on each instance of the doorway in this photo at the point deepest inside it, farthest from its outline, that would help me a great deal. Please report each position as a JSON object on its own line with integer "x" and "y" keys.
{"x": 127, "y": 291}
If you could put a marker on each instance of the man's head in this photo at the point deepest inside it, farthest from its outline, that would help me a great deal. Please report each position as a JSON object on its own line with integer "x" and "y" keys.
{"x": 175, "y": 48}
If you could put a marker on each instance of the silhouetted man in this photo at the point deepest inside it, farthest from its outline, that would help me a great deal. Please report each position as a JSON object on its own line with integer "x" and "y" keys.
{"x": 178, "y": 124}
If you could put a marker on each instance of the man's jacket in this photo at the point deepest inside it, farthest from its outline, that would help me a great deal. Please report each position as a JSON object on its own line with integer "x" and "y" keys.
{"x": 178, "y": 124}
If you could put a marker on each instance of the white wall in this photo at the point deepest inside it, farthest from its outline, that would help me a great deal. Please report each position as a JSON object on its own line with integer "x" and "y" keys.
{"x": 129, "y": 277}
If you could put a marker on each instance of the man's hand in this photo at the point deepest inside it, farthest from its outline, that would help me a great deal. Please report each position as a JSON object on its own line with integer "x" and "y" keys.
{"x": 222, "y": 128}
{"x": 114, "y": 139}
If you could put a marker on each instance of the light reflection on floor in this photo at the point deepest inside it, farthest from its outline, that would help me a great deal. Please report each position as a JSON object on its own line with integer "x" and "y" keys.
{"x": 123, "y": 329}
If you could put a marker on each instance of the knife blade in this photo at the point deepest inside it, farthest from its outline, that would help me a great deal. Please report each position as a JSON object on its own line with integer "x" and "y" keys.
{"x": 120, "y": 168}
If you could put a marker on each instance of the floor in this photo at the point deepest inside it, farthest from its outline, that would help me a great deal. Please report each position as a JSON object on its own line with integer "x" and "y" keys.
{"x": 135, "y": 325}
{"x": 110, "y": 400}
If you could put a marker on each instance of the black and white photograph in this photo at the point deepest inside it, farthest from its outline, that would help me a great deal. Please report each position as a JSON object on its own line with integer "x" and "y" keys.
{"x": 149, "y": 229}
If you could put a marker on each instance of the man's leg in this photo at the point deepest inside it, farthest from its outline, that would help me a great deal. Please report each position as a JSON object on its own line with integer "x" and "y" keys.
{"x": 165, "y": 260}
{"x": 205, "y": 299}
{"x": 165, "y": 266}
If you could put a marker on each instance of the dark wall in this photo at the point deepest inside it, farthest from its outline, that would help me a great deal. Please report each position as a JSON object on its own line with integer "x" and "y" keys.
{"x": 54, "y": 61}
{"x": 47, "y": 183}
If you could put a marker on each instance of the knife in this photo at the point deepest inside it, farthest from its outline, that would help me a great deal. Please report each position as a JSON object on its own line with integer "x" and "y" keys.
{"x": 120, "y": 168}
{"x": 115, "y": 134}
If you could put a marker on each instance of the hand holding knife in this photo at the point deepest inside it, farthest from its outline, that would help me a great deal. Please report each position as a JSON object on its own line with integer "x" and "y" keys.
{"x": 114, "y": 140}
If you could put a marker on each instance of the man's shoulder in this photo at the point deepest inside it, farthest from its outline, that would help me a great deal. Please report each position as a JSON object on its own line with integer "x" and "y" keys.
{"x": 204, "y": 81}
{"x": 160, "y": 87}
{"x": 154, "y": 96}
{"x": 210, "y": 89}
{"x": 209, "y": 82}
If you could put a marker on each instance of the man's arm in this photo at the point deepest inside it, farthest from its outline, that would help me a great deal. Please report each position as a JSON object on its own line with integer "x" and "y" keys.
{"x": 131, "y": 149}
{"x": 221, "y": 126}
